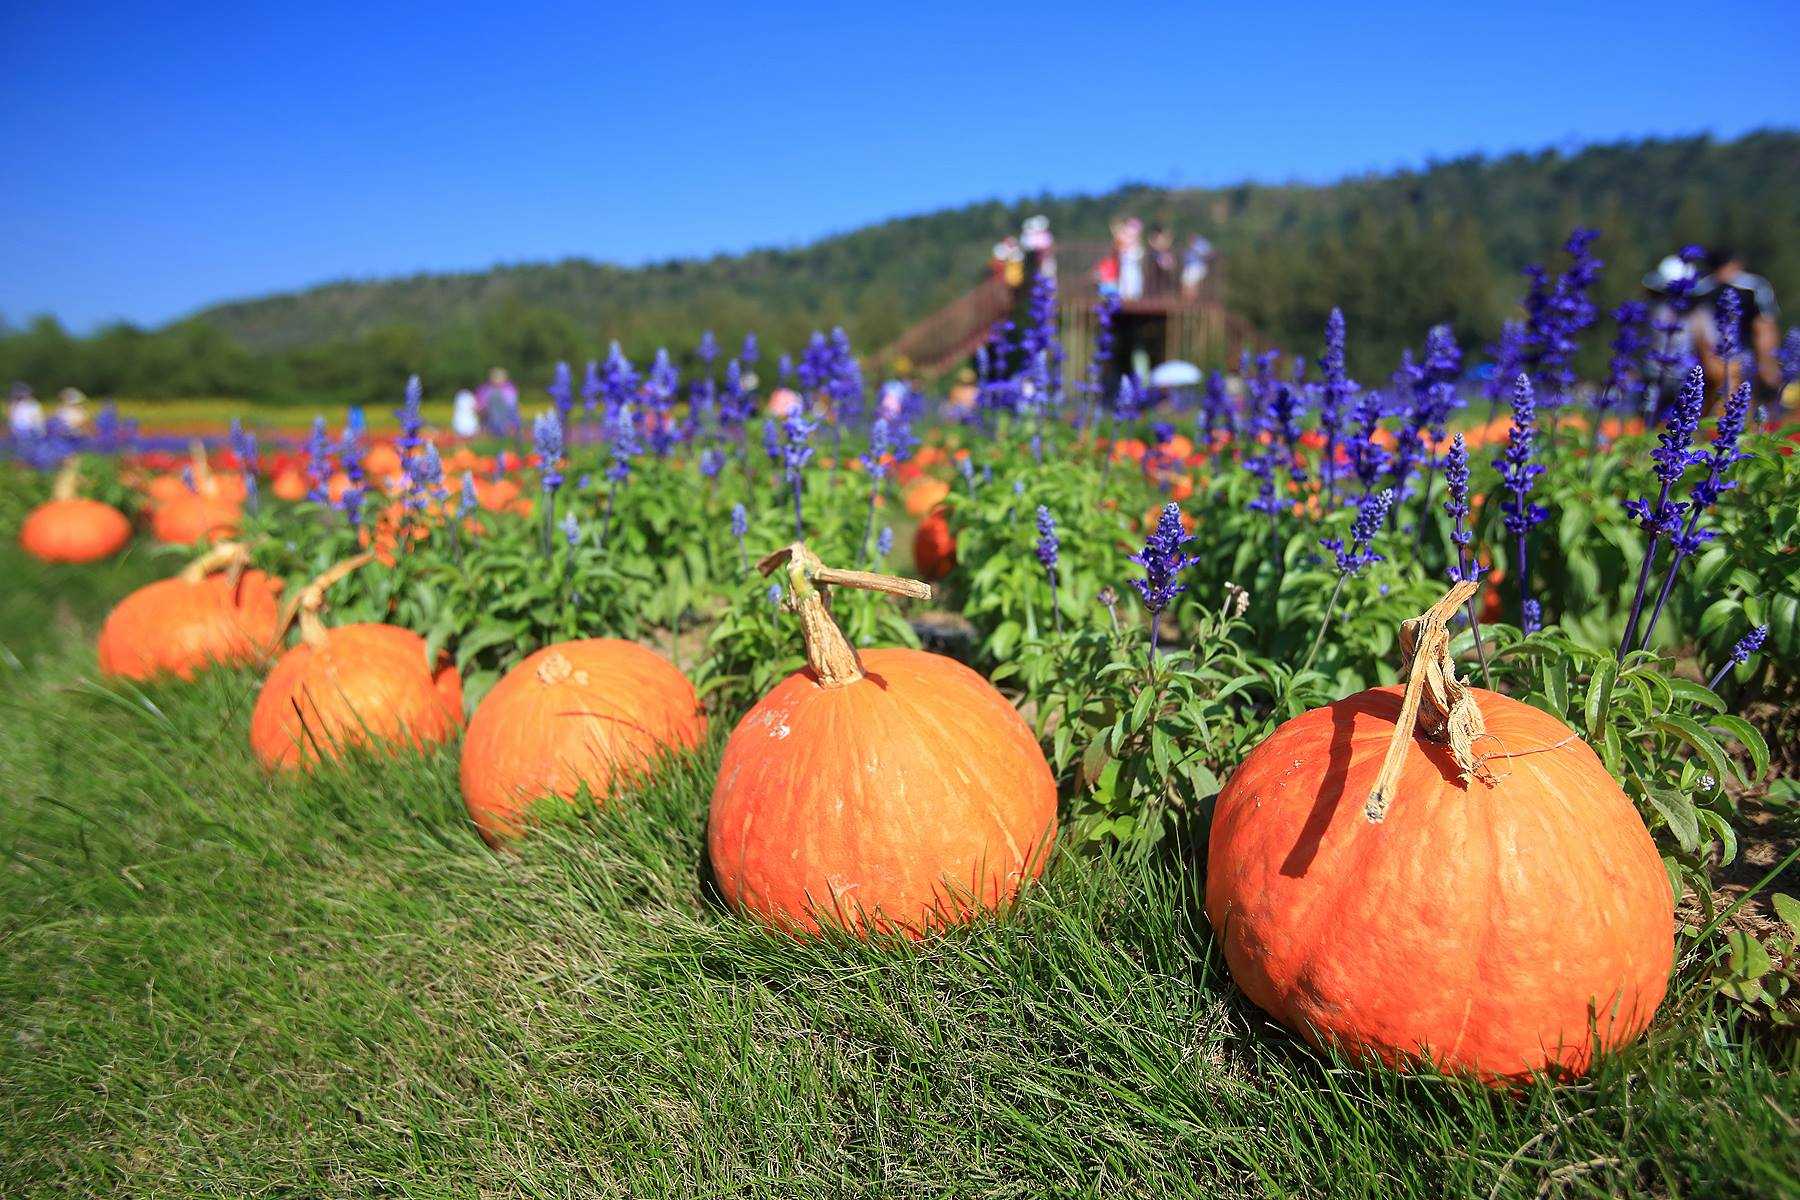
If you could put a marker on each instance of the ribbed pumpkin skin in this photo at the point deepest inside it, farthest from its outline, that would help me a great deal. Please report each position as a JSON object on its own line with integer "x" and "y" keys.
{"x": 77, "y": 530}
{"x": 193, "y": 518}
{"x": 364, "y": 684}
{"x": 1474, "y": 925}
{"x": 173, "y": 627}
{"x": 886, "y": 803}
{"x": 596, "y": 711}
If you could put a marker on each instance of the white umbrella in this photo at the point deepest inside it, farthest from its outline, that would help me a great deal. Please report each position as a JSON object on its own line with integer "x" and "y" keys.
{"x": 1175, "y": 374}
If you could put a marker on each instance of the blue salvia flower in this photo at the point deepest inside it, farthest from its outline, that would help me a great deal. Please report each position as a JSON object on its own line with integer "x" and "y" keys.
{"x": 1508, "y": 355}
{"x": 1692, "y": 536}
{"x": 1336, "y": 394}
{"x": 1048, "y": 545}
{"x": 966, "y": 465}
{"x": 623, "y": 444}
{"x": 1664, "y": 517}
{"x": 1557, "y": 312}
{"x": 797, "y": 451}
{"x": 547, "y": 440}
{"x": 1163, "y": 560}
{"x": 571, "y": 529}
{"x": 425, "y": 477}
{"x": 1368, "y": 458}
{"x": 1284, "y": 418}
{"x": 1215, "y": 409}
{"x": 1531, "y": 615}
{"x": 1128, "y": 404}
{"x": 1747, "y": 645}
{"x": 1048, "y": 548}
{"x": 1456, "y": 477}
{"x": 318, "y": 461}
{"x": 740, "y": 528}
{"x": 1628, "y": 346}
{"x": 875, "y": 460}
{"x": 884, "y": 541}
{"x": 1518, "y": 474}
{"x": 411, "y": 417}
{"x": 1789, "y": 357}
{"x": 243, "y": 445}
{"x": 774, "y": 595}
{"x": 1728, "y": 313}
{"x": 711, "y": 463}
{"x": 750, "y": 350}
{"x": 708, "y": 349}
{"x": 735, "y": 403}
{"x": 593, "y": 388}
{"x": 784, "y": 368}
{"x": 1371, "y": 511}
{"x": 562, "y": 391}
{"x": 467, "y": 502}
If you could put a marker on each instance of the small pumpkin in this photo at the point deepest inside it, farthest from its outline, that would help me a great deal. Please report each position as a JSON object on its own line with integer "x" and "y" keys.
{"x": 216, "y": 612}
{"x": 934, "y": 546}
{"x": 591, "y": 713}
{"x": 921, "y": 497}
{"x": 1391, "y": 895}
{"x": 208, "y": 507}
{"x": 890, "y": 789}
{"x": 70, "y": 528}
{"x": 350, "y": 685}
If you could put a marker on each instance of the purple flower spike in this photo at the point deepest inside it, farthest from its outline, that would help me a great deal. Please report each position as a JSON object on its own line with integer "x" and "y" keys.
{"x": 1163, "y": 561}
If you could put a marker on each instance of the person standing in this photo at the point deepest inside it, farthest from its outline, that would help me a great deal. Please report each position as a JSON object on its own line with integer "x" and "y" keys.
{"x": 1194, "y": 262}
{"x": 1759, "y": 322}
{"x": 25, "y": 416}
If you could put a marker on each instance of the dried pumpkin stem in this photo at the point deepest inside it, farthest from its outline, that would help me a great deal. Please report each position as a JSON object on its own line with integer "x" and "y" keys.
{"x": 197, "y": 457}
{"x": 311, "y": 599}
{"x": 828, "y": 652}
{"x": 68, "y": 480}
{"x": 233, "y": 556}
{"x": 1437, "y": 704}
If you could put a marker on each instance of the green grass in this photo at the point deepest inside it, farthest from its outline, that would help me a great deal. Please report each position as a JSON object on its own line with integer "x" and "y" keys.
{"x": 217, "y": 984}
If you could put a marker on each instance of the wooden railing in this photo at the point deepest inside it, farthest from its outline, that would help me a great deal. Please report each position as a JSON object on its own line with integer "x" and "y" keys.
{"x": 953, "y": 332}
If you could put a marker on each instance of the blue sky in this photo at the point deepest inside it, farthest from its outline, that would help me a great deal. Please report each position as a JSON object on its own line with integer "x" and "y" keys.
{"x": 159, "y": 157}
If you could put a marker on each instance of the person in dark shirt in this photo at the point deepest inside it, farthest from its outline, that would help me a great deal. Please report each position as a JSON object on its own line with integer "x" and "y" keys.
{"x": 1759, "y": 331}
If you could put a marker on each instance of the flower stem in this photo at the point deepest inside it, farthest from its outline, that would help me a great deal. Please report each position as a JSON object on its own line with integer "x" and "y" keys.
{"x": 1325, "y": 623}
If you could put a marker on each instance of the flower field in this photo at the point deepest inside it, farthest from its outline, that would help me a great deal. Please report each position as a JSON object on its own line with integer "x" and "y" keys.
{"x": 727, "y": 776}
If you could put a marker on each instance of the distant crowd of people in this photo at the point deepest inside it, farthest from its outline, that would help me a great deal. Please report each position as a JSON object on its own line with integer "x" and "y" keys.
{"x": 26, "y": 417}
{"x": 1138, "y": 265}
{"x": 1147, "y": 264}
{"x": 1686, "y": 287}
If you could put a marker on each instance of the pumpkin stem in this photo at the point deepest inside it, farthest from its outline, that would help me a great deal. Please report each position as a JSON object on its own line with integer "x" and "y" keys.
{"x": 233, "y": 556}
{"x": 68, "y": 480}
{"x": 197, "y": 456}
{"x": 1437, "y": 704}
{"x": 307, "y": 603}
{"x": 828, "y": 651}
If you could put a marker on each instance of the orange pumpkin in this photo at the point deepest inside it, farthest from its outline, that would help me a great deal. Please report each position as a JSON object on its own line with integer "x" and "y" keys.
{"x": 69, "y": 528}
{"x": 196, "y": 620}
{"x": 934, "y": 546}
{"x": 192, "y": 518}
{"x": 290, "y": 484}
{"x": 891, "y": 790}
{"x": 925, "y": 495}
{"x": 353, "y": 685}
{"x": 206, "y": 511}
{"x": 1395, "y": 896}
{"x": 591, "y": 713}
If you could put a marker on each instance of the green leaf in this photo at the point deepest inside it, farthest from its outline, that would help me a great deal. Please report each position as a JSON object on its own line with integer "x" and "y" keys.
{"x": 1707, "y": 745}
{"x": 1678, "y": 812}
{"x": 1750, "y": 738}
{"x": 1749, "y": 958}
{"x": 1599, "y": 696}
{"x": 1788, "y": 909}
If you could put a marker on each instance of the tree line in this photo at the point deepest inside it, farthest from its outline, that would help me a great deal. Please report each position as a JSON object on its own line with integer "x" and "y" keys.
{"x": 1397, "y": 251}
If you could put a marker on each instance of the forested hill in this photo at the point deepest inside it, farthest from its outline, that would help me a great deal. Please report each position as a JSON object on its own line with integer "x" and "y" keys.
{"x": 1397, "y": 251}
